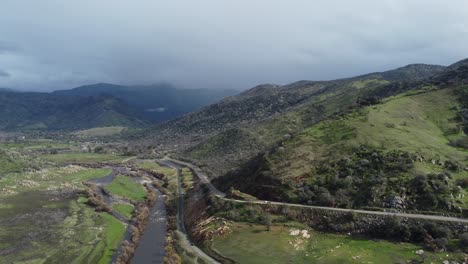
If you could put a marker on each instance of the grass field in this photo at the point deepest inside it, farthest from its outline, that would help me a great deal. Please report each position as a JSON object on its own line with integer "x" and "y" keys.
{"x": 125, "y": 210}
{"x": 100, "y": 131}
{"x": 151, "y": 165}
{"x": 43, "y": 220}
{"x": 35, "y": 144}
{"x": 81, "y": 157}
{"x": 63, "y": 231}
{"x": 49, "y": 179}
{"x": 113, "y": 235}
{"x": 170, "y": 173}
{"x": 253, "y": 244}
{"x": 125, "y": 187}
{"x": 11, "y": 161}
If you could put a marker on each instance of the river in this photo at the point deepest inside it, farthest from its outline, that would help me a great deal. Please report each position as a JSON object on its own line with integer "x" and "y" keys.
{"x": 152, "y": 243}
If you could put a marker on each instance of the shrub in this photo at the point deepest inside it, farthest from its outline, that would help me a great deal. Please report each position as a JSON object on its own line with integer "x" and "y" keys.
{"x": 99, "y": 149}
{"x": 451, "y": 165}
{"x": 266, "y": 220}
{"x": 441, "y": 243}
{"x": 460, "y": 143}
{"x": 463, "y": 182}
{"x": 464, "y": 242}
{"x": 326, "y": 199}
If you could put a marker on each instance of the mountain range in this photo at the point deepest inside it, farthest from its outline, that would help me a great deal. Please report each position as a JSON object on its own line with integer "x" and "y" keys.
{"x": 100, "y": 105}
{"x": 231, "y": 133}
{"x": 158, "y": 102}
{"x": 393, "y": 139}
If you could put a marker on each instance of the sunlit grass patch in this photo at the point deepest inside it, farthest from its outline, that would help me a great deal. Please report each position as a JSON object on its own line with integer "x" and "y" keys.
{"x": 82, "y": 157}
{"x": 125, "y": 187}
{"x": 253, "y": 244}
{"x": 125, "y": 210}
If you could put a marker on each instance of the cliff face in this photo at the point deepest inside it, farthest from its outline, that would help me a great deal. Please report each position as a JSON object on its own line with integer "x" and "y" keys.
{"x": 201, "y": 225}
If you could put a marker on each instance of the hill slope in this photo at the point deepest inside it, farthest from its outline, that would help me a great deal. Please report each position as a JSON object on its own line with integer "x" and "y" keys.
{"x": 404, "y": 153}
{"x": 271, "y": 112}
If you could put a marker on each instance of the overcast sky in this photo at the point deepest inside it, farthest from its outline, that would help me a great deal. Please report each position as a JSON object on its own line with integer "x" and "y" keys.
{"x": 59, "y": 44}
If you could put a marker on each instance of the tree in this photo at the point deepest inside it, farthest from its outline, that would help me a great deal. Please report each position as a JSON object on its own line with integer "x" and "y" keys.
{"x": 266, "y": 219}
{"x": 99, "y": 149}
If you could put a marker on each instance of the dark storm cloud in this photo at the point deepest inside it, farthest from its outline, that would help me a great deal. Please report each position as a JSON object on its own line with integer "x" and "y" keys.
{"x": 55, "y": 44}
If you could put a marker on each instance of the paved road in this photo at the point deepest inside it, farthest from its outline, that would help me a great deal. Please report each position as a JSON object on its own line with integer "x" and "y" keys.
{"x": 204, "y": 178}
{"x": 200, "y": 174}
{"x": 180, "y": 212}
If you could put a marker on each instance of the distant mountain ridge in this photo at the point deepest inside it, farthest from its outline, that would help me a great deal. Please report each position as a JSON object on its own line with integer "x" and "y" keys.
{"x": 43, "y": 111}
{"x": 158, "y": 102}
{"x": 99, "y": 105}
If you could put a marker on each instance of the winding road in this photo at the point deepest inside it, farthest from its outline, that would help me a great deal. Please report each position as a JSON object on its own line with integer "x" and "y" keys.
{"x": 178, "y": 165}
{"x": 204, "y": 178}
{"x": 185, "y": 238}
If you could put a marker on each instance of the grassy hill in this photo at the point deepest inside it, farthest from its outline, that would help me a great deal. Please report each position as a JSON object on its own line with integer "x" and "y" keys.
{"x": 267, "y": 114}
{"x": 391, "y": 139}
{"x": 404, "y": 153}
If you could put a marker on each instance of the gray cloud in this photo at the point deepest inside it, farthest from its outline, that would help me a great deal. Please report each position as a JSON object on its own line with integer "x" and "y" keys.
{"x": 222, "y": 44}
{"x": 4, "y": 73}
{"x": 6, "y": 47}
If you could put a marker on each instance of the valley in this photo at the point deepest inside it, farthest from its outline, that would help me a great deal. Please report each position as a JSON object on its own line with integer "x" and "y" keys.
{"x": 233, "y": 132}
{"x": 358, "y": 170}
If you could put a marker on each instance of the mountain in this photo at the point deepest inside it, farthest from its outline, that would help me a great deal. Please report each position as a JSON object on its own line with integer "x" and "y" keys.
{"x": 267, "y": 113}
{"x": 6, "y": 90}
{"x": 43, "y": 111}
{"x": 159, "y": 102}
{"x": 100, "y": 105}
{"x": 395, "y": 139}
{"x": 409, "y": 72}
{"x": 370, "y": 156}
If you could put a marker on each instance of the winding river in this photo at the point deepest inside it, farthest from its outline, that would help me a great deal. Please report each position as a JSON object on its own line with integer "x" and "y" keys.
{"x": 151, "y": 247}
{"x": 152, "y": 243}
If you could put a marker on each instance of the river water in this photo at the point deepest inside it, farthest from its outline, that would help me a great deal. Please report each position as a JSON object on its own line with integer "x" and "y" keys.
{"x": 151, "y": 247}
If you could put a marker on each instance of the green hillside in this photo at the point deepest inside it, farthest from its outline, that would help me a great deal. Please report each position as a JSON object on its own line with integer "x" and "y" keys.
{"x": 270, "y": 114}
{"x": 405, "y": 152}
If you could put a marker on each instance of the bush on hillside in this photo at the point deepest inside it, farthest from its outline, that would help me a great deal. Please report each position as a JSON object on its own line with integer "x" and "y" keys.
{"x": 464, "y": 242}
{"x": 373, "y": 178}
